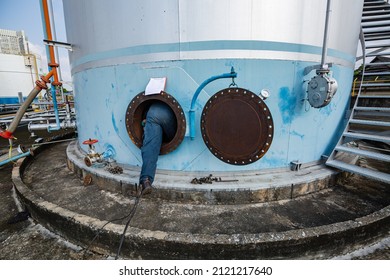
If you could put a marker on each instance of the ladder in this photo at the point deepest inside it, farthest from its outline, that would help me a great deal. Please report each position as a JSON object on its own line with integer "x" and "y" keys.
{"x": 367, "y": 134}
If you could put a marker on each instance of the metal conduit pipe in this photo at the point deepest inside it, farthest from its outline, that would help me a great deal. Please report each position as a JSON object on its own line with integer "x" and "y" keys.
{"x": 325, "y": 41}
{"x": 54, "y": 34}
{"x": 35, "y": 119}
{"x": 40, "y": 84}
{"x": 47, "y": 126}
{"x": 15, "y": 158}
{"x": 232, "y": 74}
{"x": 19, "y": 114}
{"x": 48, "y": 35}
{"x": 55, "y": 106}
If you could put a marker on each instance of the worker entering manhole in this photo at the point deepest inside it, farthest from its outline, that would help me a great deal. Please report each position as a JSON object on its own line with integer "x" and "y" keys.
{"x": 158, "y": 108}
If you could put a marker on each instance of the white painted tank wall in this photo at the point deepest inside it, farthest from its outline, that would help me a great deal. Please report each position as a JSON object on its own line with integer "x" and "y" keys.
{"x": 118, "y": 46}
{"x": 96, "y": 26}
{"x": 15, "y": 77}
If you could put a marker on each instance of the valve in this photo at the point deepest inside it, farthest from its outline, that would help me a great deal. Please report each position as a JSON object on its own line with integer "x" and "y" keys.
{"x": 90, "y": 142}
{"x": 92, "y": 155}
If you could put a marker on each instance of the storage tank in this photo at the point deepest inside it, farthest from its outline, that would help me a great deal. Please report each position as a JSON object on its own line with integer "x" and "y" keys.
{"x": 18, "y": 74}
{"x": 259, "y": 78}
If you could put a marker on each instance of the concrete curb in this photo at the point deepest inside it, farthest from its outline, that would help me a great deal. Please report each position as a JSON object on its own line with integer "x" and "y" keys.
{"x": 250, "y": 187}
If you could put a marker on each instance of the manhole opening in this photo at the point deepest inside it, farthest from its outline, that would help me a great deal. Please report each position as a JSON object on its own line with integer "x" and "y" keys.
{"x": 136, "y": 113}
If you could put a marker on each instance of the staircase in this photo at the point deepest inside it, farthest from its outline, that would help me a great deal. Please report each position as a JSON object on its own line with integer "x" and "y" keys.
{"x": 367, "y": 134}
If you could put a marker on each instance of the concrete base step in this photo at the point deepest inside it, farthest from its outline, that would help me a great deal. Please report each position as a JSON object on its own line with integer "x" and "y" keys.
{"x": 325, "y": 223}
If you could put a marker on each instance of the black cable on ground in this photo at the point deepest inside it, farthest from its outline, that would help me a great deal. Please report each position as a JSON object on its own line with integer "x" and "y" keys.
{"x": 132, "y": 212}
{"x": 130, "y": 215}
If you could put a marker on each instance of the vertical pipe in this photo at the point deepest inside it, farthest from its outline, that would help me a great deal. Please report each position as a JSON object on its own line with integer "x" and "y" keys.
{"x": 44, "y": 32}
{"x": 325, "y": 42}
{"x": 54, "y": 34}
{"x": 56, "y": 113}
{"x": 52, "y": 59}
{"x": 45, "y": 8}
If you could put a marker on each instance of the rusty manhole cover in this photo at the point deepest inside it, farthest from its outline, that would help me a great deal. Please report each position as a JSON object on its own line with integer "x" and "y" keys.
{"x": 237, "y": 126}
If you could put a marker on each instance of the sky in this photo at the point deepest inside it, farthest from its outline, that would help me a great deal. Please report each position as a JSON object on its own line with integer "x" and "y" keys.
{"x": 26, "y": 15}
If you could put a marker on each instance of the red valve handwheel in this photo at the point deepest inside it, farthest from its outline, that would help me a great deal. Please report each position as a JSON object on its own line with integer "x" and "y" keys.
{"x": 90, "y": 141}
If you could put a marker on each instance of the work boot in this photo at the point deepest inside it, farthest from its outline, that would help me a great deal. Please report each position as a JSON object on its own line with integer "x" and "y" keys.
{"x": 146, "y": 187}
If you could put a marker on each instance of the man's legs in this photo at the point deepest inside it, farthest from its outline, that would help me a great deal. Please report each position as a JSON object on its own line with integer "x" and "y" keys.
{"x": 150, "y": 149}
{"x": 160, "y": 121}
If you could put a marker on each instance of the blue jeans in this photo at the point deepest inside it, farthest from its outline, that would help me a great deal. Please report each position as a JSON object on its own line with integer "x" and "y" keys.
{"x": 160, "y": 125}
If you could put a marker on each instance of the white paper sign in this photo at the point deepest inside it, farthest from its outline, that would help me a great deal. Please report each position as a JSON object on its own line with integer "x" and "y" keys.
{"x": 155, "y": 86}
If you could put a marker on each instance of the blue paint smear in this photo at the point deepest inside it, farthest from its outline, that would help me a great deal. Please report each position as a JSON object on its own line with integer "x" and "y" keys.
{"x": 114, "y": 123}
{"x": 327, "y": 110}
{"x": 287, "y": 105}
{"x": 294, "y": 133}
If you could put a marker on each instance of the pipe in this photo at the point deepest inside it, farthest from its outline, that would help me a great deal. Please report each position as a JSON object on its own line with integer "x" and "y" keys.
{"x": 52, "y": 64}
{"x": 325, "y": 42}
{"x": 22, "y": 109}
{"x": 232, "y": 74}
{"x": 15, "y": 158}
{"x": 48, "y": 127}
{"x": 54, "y": 35}
{"x": 40, "y": 84}
{"x": 55, "y": 106}
{"x": 44, "y": 31}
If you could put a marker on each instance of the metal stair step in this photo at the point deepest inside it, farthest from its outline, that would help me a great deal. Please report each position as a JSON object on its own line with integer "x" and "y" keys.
{"x": 377, "y": 36}
{"x": 375, "y": 18}
{"x": 373, "y": 3}
{"x": 373, "y": 96}
{"x": 377, "y": 73}
{"x": 376, "y": 29}
{"x": 376, "y": 13}
{"x": 377, "y": 85}
{"x": 377, "y": 63}
{"x": 372, "y": 137}
{"x": 373, "y": 174}
{"x": 383, "y": 109}
{"x": 364, "y": 153}
{"x": 376, "y": 23}
{"x": 377, "y": 53}
{"x": 383, "y": 45}
{"x": 370, "y": 34}
{"x": 378, "y": 45}
{"x": 368, "y": 122}
{"x": 375, "y": 8}
{"x": 380, "y": 6}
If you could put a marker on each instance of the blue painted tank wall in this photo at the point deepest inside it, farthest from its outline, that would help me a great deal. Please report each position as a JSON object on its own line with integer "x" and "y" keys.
{"x": 301, "y": 132}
